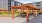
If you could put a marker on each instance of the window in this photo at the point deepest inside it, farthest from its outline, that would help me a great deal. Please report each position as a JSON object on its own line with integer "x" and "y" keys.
{"x": 5, "y": 3}
{"x": 12, "y": 3}
{"x": 0, "y": 6}
{"x": 19, "y": 4}
{"x": 8, "y": 2}
{"x": 8, "y": 5}
{"x": 38, "y": 3}
{"x": 1, "y": 2}
{"x": 30, "y": 4}
{"x": 5, "y": 6}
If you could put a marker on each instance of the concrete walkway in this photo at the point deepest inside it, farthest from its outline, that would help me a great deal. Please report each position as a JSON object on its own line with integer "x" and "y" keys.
{"x": 10, "y": 20}
{"x": 15, "y": 20}
{"x": 37, "y": 19}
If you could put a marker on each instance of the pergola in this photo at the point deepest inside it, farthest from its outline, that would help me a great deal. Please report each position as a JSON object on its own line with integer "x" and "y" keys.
{"x": 27, "y": 7}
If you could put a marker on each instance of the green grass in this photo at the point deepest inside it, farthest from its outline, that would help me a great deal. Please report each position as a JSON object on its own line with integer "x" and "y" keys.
{"x": 9, "y": 13}
{"x": 0, "y": 13}
{"x": 4, "y": 13}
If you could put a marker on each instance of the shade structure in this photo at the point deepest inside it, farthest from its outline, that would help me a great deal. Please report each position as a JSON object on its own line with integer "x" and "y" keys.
{"x": 30, "y": 6}
{"x": 24, "y": 7}
{"x": 2, "y": 9}
{"x": 18, "y": 7}
{"x": 27, "y": 7}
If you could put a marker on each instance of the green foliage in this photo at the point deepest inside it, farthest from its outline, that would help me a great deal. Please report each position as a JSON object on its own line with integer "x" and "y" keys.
{"x": 4, "y": 13}
{"x": 16, "y": 13}
{"x": 0, "y": 13}
{"x": 23, "y": 13}
{"x": 9, "y": 12}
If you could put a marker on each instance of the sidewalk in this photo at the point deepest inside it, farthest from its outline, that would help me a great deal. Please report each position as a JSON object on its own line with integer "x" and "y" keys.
{"x": 10, "y": 20}
{"x": 15, "y": 20}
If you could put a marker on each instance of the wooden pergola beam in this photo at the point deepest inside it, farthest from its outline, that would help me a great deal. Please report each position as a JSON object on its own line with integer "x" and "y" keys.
{"x": 12, "y": 13}
{"x": 23, "y": 7}
{"x": 27, "y": 16}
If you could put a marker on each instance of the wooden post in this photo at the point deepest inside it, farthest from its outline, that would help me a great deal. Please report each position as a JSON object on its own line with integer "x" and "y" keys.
{"x": 12, "y": 13}
{"x": 35, "y": 13}
{"x": 22, "y": 10}
{"x": 27, "y": 16}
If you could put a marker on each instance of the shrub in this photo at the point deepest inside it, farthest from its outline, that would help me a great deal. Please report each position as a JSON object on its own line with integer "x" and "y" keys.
{"x": 4, "y": 13}
{"x": 23, "y": 14}
{"x": 0, "y": 13}
{"x": 9, "y": 13}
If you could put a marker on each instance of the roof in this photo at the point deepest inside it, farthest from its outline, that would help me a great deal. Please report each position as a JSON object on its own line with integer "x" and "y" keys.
{"x": 24, "y": 7}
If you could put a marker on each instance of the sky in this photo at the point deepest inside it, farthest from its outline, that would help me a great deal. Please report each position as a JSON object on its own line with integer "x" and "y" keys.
{"x": 27, "y": 1}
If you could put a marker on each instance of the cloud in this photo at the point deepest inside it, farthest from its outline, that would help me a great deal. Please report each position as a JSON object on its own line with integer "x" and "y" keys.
{"x": 39, "y": 0}
{"x": 27, "y": 1}
{"x": 24, "y": 1}
{"x": 21, "y": 0}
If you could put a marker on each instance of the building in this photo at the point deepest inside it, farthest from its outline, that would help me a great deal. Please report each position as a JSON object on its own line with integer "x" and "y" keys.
{"x": 3, "y": 4}
{"x": 13, "y": 3}
{"x": 9, "y": 4}
{"x": 37, "y": 4}
{"x": 17, "y": 3}
{"x": 6, "y": 4}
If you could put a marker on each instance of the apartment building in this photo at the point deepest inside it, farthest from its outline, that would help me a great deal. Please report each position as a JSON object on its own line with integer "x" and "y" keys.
{"x": 6, "y": 4}
{"x": 15, "y": 3}
{"x": 37, "y": 4}
{"x": 3, "y": 4}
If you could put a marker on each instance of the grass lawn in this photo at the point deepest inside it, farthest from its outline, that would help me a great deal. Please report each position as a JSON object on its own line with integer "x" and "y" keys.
{"x": 5, "y": 13}
{"x": 16, "y": 14}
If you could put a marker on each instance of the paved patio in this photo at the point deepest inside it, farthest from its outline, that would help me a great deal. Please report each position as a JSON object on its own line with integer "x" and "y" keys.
{"x": 37, "y": 19}
{"x": 10, "y": 20}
